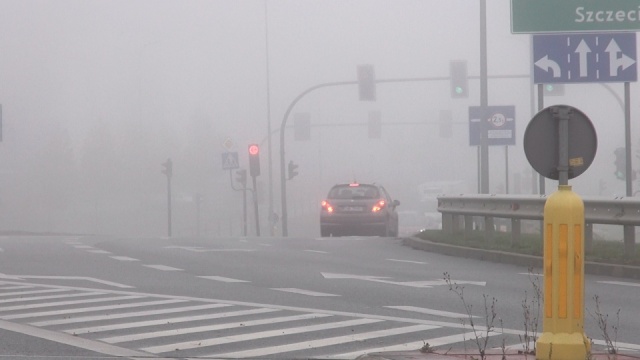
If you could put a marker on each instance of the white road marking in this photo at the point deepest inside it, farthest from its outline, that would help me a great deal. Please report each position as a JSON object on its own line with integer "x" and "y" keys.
{"x": 111, "y": 316}
{"x": 163, "y": 268}
{"x": 408, "y": 261}
{"x": 75, "y": 341}
{"x": 31, "y": 292}
{"x": 200, "y": 249}
{"x": 65, "y": 303}
{"x": 83, "y": 247}
{"x": 430, "y": 311}
{"x": 317, "y": 251}
{"x": 47, "y": 297}
{"x": 303, "y": 292}
{"x": 258, "y": 335}
{"x": 623, "y": 283}
{"x": 205, "y": 328}
{"x": 416, "y": 284}
{"x": 16, "y": 287}
{"x": 90, "y": 309}
{"x": 98, "y": 251}
{"x": 620, "y": 345}
{"x": 223, "y": 279}
{"x": 312, "y": 344}
{"x": 124, "y": 258}
{"x": 341, "y": 238}
{"x": 82, "y": 278}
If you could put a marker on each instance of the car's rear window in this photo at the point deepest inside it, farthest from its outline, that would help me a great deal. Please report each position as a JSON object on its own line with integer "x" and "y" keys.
{"x": 354, "y": 192}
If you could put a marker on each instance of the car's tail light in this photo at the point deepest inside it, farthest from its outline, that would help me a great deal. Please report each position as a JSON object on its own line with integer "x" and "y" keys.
{"x": 326, "y": 206}
{"x": 378, "y": 206}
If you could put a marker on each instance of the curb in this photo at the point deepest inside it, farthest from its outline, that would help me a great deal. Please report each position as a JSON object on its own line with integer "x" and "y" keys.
{"x": 593, "y": 268}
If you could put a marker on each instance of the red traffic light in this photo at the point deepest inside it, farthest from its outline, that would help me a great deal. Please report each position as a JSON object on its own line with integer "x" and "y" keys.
{"x": 254, "y": 149}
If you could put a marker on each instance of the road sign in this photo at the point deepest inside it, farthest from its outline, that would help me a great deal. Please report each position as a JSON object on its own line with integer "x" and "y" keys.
{"x": 228, "y": 144}
{"x": 547, "y": 16}
{"x": 584, "y": 58}
{"x": 230, "y": 160}
{"x": 497, "y": 123}
{"x": 541, "y": 143}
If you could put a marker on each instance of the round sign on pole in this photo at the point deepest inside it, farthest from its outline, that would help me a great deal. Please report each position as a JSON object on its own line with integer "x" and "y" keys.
{"x": 542, "y": 139}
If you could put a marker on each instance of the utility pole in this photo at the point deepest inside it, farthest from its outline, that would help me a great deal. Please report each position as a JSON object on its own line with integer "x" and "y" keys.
{"x": 168, "y": 171}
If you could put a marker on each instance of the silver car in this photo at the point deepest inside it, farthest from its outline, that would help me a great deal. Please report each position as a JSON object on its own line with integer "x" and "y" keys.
{"x": 358, "y": 209}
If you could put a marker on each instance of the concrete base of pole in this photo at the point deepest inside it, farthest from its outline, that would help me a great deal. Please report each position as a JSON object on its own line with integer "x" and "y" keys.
{"x": 563, "y": 346}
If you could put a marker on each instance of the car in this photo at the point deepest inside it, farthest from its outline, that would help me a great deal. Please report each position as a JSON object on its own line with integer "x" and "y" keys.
{"x": 358, "y": 209}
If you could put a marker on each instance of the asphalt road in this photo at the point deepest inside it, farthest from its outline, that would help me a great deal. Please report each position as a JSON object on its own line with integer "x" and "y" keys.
{"x": 265, "y": 297}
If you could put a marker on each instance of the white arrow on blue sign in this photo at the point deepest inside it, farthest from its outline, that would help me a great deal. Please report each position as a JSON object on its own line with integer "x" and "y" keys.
{"x": 584, "y": 58}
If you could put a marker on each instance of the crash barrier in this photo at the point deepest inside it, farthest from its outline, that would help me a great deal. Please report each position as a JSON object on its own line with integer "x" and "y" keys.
{"x": 464, "y": 210}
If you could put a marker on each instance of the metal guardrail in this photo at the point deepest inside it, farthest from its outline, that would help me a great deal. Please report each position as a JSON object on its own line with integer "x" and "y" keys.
{"x": 598, "y": 210}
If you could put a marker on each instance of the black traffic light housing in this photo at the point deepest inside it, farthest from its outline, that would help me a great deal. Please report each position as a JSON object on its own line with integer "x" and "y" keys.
{"x": 167, "y": 168}
{"x": 241, "y": 177}
{"x": 292, "y": 170}
{"x": 254, "y": 160}
{"x": 620, "y": 163}
{"x": 459, "y": 79}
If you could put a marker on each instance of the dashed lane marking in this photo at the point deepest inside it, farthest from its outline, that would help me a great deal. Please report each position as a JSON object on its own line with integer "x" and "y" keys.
{"x": 223, "y": 279}
{"x": 623, "y": 283}
{"x": 430, "y": 311}
{"x": 123, "y": 258}
{"x": 163, "y": 268}
{"x": 317, "y": 251}
{"x": 303, "y": 292}
{"x": 408, "y": 261}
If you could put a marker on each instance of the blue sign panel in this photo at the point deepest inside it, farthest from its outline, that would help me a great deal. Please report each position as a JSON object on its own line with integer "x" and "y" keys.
{"x": 230, "y": 160}
{"x": 584, "y": 58}
{"x": 497, "y": 123}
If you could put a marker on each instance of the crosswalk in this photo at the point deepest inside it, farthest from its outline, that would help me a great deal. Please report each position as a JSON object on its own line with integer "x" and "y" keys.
{"x": 166, "y": 326}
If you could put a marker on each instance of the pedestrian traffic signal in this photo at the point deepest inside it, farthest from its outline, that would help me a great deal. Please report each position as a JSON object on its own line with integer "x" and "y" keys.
{"x": 553, "y": 89}
{"x": 366, "y": 83}
{"x": 241, "y": 177}
{"x": 620, "y": 163}
{"x": 292, "y": 170}
{"x": 167, "y": 168}
{"x": 459, "y": 80}
{"x": 254, "y": 160}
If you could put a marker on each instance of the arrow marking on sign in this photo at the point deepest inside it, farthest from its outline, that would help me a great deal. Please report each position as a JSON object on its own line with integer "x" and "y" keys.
{"x": 546, "y": 64}
{"x": 583, "y": 49}
{"x": 416, "y": 284}
{"x": 614, "y": 62}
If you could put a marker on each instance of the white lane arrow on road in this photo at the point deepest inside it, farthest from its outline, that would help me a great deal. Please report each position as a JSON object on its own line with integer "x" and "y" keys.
{"x": 614, "y": 62}
{"x": 416, "y": 284}
{"x": 582, "y": 50}
{"x": 547, "y": 64}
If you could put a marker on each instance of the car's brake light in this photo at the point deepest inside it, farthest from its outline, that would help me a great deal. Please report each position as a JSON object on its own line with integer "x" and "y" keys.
{"x": 378, "y": 206}
{"x": 354, "y": 184}
{"x": 326, "y": 206}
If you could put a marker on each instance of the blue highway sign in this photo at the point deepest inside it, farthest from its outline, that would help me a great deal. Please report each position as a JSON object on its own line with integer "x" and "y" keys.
{"x": 230, "y": 160}
{"x": 584, "y": 58}
{"x": 498, "y": 123}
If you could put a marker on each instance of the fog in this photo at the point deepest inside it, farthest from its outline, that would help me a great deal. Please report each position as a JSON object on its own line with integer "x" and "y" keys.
{"x": 96, "y": 95}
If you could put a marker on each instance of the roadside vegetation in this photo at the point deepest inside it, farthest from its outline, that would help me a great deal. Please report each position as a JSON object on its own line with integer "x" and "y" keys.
{"x": 611, "y": 252}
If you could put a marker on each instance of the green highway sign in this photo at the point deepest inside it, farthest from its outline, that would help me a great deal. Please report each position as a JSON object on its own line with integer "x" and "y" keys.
{"x": 551, "y": 16}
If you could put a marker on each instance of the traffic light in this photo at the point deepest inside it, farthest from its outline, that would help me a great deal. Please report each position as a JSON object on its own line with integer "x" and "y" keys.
{"x": 375, "y": 125}
{"x": 167, "y": 168}
{"x": 459, "y": 80}
{"x": 241, "y": 177}
{"x": 446, "y": 124}
{"x": 302, "y": 126}
{"x": 366, "y": 83}
{"x": 254, "y": 160}
{"x": 553, "y": 89}
{"x": 621, "y": 163}
{"x": 291, "y": 168}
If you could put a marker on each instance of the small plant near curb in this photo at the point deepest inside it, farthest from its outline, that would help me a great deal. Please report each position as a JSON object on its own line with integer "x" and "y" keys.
{"x": 490, "y": 313}
{"x": 426, "y": 348}
{"x": 603, "y": 324}
{"x": 531, "y": 313}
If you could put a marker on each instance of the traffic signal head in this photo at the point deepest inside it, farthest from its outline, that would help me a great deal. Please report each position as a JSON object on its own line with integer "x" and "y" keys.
{"x": 241, "y": 177}
{"x": 459, "y": 80}
{"x": 254, "y": 160}
{"x": 167, "y": 168}
{"x": 553, "y": 89}
{"x": 366, "y": 83}
{"x": 292, "y": 170}
{"x": 620, "y": 163}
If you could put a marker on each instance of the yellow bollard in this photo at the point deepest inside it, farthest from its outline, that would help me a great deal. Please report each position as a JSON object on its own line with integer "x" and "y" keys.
{"x": 563, "y": 335}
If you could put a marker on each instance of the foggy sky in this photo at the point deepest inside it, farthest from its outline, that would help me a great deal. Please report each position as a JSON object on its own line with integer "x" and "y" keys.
{"x": 97, "y": 94}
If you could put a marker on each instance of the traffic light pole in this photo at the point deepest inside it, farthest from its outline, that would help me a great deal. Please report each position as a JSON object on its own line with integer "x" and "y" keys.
{"x": 244, "y": 204}
{"x": 255, "y": 206}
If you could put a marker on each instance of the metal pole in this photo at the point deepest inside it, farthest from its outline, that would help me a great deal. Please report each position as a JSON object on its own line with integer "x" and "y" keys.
{"x": 255, "y": 205}
{"x": 562, "y": 114}
{"x": 269, "y": 147}
{"x": 484, "y": 95}
{"x": 506, "y": 169}
{"x": 244, "y": 211}
{"x": 540, "y": 107}
{"x": 629, "y": 230}
{"x": 169, "y": 206}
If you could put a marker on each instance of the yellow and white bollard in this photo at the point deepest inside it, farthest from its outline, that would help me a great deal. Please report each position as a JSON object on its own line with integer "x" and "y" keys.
{"x": 563, "y": 336}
